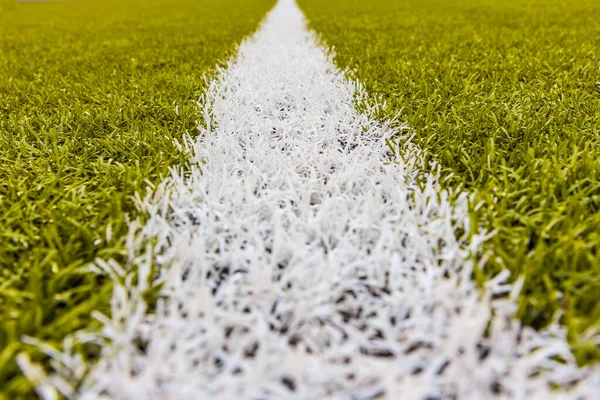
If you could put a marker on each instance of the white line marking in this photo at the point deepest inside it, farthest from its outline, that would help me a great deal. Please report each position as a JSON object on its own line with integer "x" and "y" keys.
{"x": 300, "y": 259}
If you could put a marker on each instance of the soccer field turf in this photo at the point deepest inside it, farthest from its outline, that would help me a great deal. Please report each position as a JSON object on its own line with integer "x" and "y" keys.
{"x": 246, "y": 229}
{"x": 92, "y": 97}
{"x": 505, "y": 95}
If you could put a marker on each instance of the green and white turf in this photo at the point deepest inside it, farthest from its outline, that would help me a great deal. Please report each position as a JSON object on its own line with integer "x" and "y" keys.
{"x": 505, "y": 97}
{"x": 308, "y": 250}
{"x": 93, "y": 97}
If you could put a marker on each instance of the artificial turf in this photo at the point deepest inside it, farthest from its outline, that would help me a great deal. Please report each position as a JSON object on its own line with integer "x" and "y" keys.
{"x": 505, "y": 95}
{"x": 93, "y": 96}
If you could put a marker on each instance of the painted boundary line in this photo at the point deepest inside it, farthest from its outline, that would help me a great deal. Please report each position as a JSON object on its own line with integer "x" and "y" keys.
{"x": 300, "y": 257}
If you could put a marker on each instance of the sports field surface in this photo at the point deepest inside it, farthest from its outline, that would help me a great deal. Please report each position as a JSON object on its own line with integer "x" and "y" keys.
{"x": 505, "y": 97}
{"x": 349, "y": 200}
{"x": 93, "y": 96}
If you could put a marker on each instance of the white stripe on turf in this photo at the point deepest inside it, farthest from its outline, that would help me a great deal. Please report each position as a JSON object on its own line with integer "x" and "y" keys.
{"x": 300, "y": 258}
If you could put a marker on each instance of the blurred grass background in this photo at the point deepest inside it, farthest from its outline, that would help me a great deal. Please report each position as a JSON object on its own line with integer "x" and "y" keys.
{"x": 92, "y": 96}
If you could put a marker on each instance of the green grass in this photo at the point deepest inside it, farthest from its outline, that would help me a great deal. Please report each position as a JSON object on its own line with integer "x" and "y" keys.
{"x": 92, "y": 96}
{"x": 505, "y": 95}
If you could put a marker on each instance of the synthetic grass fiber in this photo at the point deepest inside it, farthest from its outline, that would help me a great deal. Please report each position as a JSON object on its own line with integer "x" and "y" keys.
{"x": 505, "y": 95}
{"x": 93, "y": 96}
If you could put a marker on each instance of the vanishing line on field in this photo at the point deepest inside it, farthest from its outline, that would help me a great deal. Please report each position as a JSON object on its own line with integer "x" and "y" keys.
{"x": 300, "y": 256}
